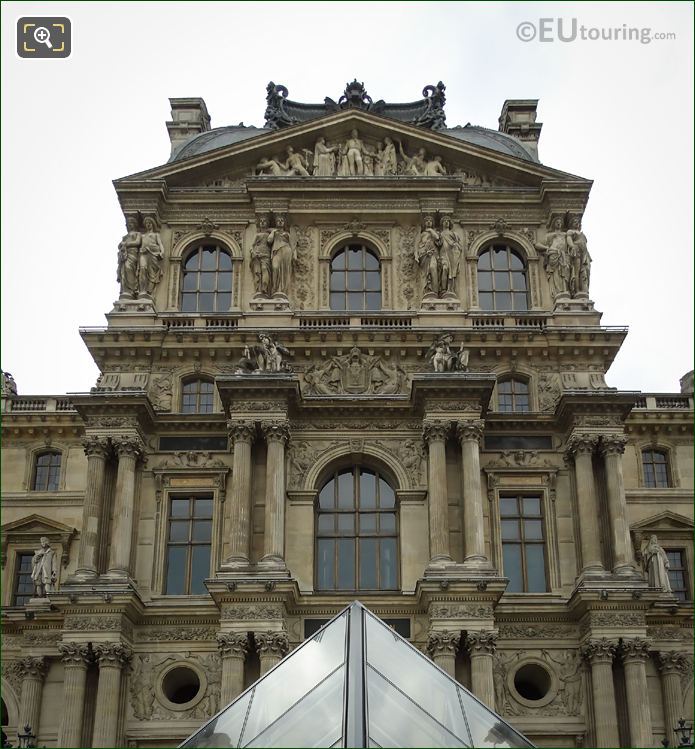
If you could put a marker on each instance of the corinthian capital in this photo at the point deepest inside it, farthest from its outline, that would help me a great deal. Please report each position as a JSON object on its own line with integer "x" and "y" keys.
{"x": 433, "y": 431}
{"x": 128, "y": 445}
{"x": 272, "y": 643}
{"x": 33, "y": 668}
{"x": 671, "y": 662}
{"x": 613, "y": 444}
{"x": 470, "y": 430}
{"x": 95, "y": 445}
{"x": 599, "y": 651}
{"x": 233, "y": 643}
{"x": 112, "y": 654}
{"x": 439, "y": 643}
{"x": 74, "y": 653}
{"x": 579, "y": 444}
{"x": 276, "y": 430}
{"x": 241, "y": 431}
{"x": 481, "y": 643}
{"x": 636, "y": 649}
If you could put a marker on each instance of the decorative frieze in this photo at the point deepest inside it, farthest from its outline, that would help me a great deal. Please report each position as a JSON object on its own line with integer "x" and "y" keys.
{"x": 250, "y": 612}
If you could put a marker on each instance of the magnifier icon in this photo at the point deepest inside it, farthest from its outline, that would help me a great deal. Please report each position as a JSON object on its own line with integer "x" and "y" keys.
{"x": 43, "y": 36}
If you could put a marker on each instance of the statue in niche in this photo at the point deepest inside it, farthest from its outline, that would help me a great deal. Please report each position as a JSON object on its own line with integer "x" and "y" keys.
{"x": 443, "y": 359}
{"x": 451, "y": 252}
{"x": 128, "y": 258}
{"x": 556, "y": 263}
{"x": 656, "y": 565}
{"x": 324, "y": 159}
{"x": 414, "y": 166}
{"x": 579, "y": 258}
{"x": 282, "y": 257}
{"x": 386, "y": 160}
{"x": 265, "y": 356}
{"x": 150, "y": 258}
{"x": 44, "y": 569}
{"x": 9, "y": 386}
{"x": 260, "y": 260}
{"x": 428, "y": 258}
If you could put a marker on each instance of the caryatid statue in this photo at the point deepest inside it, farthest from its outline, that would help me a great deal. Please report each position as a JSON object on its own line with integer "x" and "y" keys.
{"x": 260, "y": 260}
{"x": 450, "y": 253}
{"x": 44, "y": 569}
{"x": 427, "y": 257}
{"x": 282, "y": 258}
{"x": 150, "y": 258}
{"x": 579, "y": 258}
{"x": 129, "y": 258}
{"x": 557, "y": 265}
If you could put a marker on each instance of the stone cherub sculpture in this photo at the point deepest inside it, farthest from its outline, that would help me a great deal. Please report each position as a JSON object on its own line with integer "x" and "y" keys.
{"x": 443, "y": 359}
{"x": 266, "y": 356}
{"x": 656, "y": 565}
{"x": 44, "y": 569}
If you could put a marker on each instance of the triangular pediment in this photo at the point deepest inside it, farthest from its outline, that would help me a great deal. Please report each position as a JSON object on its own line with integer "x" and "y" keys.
{"x": 475, "y": 156}
{"x": 36, "y": 525}
{"x": 664, "y": 522}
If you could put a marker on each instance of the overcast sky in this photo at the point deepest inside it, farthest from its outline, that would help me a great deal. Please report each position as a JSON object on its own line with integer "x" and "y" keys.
{"x": 619, "y": 112}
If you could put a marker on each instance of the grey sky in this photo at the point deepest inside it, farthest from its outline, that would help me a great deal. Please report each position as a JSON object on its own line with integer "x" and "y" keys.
{"x": 618, "y": 112}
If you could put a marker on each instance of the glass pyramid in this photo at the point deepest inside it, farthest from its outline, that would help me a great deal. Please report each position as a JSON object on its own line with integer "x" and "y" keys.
{"x": 356, "y": 683}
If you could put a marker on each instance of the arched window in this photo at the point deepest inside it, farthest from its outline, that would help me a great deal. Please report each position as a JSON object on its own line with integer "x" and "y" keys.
{"x": 656, "y": 469}
{"x": 207, "y": 280}
{"x": 47, "y": 471}
{"x": 512, "y": 395}
{"x": 197, "y": 396}
{"x": 355, "y": 279}
{"x": 356, "y": 532}
{"x": 502, "y": 283}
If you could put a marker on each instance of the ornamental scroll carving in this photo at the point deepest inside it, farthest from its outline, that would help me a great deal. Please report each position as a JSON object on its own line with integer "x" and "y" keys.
{"x": 246, "y": 613}
{"x": 178, "y": 634}
{"x": 301, "y": 456}
{"x": 406, "y": 264}
{"x": 354, "y": 374}
{"x": 460, "y": 611}
{"x": 536, "y": 631}
{"x": 11, "y": 672}
{"x": 410, "y": 454}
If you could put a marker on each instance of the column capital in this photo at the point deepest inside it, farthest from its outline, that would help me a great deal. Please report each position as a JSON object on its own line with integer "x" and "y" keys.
{"x": 272, "y": 643}
{"x": 581, "y": 444}
{"x": 635, "y": 650}
{"x": 233, "y": 644}
{"x": 128, "y": 445}
{"x": 470, "y": 430}
{"x": 276, "y": 430}
{"x": 32, "y": 667}
{"x": 443, "y": 642}
{"x": 481, "y": 643}
{"x": 671, "y": 662}
{"x": 112, "y": 654}
{"x": 613, "y": 444}
{"x": 74, "y": 654}
{"x": 241, "y": 430}
{"x": 95, "y": 445}
{"x": 434, "y": 431}
{"x": 599, "y": 651}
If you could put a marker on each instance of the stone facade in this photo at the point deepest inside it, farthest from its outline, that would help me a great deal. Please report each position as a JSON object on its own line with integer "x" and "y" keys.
{"x": 466, "y": 388}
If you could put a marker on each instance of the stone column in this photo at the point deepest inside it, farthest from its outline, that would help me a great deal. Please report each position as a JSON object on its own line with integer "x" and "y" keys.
{"x": 470, "y": 433}
{"x": 435, "y": 434}
{"x": 581, "y": 447}
{"x": 233, "y": 647}
{"x": 481, "y": 646}
{"x": 75, "y": 657}
{"x": 613, "y": 447}
{"x": 442, "y": 647}
{"x": 238, "y": 522}
{"x": 111, "y": 657}
{"x": 635, "y": 654}
{"x": 96, "y": 449}
{"x": 272, "y": 648}
{"x": 276, "y": 433}
{"x": 672, "y": 666}
{"x": 600, "y": 654}
{"x": 129, "y": 449}
{"x": 33, "y": 673}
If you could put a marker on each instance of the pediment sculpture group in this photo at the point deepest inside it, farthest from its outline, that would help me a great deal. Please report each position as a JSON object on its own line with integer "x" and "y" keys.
{"x": 352, "y": 158}
{"x": 567, "y": 261}
{"x": 140, "y": 257}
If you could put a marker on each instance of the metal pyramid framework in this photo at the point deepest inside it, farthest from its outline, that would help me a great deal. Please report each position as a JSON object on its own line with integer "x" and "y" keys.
{"x": 356, "y": 683}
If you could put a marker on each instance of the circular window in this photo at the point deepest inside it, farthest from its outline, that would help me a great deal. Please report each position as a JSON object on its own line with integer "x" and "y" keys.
{"x": 532, "y": 682}
{"x": 181, "y": 686}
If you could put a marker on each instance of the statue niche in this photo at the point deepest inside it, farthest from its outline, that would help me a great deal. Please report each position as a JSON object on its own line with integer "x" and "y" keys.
{"x": 438, "y": 255}
{"x": 273, "y": 256}
{"x": 140, "y": 258}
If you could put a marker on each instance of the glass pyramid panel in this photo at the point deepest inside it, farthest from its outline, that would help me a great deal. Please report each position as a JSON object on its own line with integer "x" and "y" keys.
{"x": 356, "y": 683}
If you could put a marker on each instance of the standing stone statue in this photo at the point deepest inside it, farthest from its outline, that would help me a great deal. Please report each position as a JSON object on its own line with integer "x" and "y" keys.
{"x": 324, "y": 159}
{"x": 44, "y": 569}
{"x": 9, "y": 386}
{"x": 150, "y": 258}
{"x": 129, "y": 258}
{"x": 556, "y": 262}
{"x": 260, "y": 260}
{"x": 386, "y": 161}
{"x": 656, "y": 565}
{"x": 352, "y": 150}
{"x": 580, "y": 260}
{"x": 450, "y": 252}
{"x": 427, "y": 257}
{"x": 282, "y": 257}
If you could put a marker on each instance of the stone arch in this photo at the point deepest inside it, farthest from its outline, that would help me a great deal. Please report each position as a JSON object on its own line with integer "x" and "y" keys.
{"x": 11, "y": 700}
{"x": 515, "y": 239}
{"x": 521, "y": 372}
{"x": 196, "y": 238}
{"x": 369, "y": 239}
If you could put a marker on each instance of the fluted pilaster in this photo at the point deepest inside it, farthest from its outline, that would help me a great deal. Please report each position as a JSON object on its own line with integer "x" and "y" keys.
{"x": 272, "y": 647}
{"x": 635, "y": 654}
{"x": 434, "y": 434}
{"x": 442, "y": 648}
{"x": 96, "y": 449}
{"x": 671, "y": 667}
{"x": 600, "y": 654}
{"x": 75, "y": 657}
{"x": 238, "y": 521}
{"x": 112, "y": 657}
{"x": 33, "y": 673}
{"x": 276, "y": 434}
{"x": 470, "y": 433}
{"x": 481, "y": 646}
{"x": 612, "y": 448}
{"x": 233, "y": 647}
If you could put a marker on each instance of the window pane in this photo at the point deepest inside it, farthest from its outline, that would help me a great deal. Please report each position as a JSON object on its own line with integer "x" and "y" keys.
{"x": 207, "y": 281}
{"x": 515, "y": 262}
{"x": 192, "y": 262}
{"x": 326, "y": 523}
{"x": 224, "y": 282}
{"x": 485, "y": 301}
{"x": 346, "y": 564}
{"x": 355, "y": 281}
{"x": 649, "y": 478}
{"x": 190, "y": 281}
{"x": 485, "y": 281}
{"x": 225, "y": 730}
{"x": 533, "y": 530}
{"x": 202, "y": 508}
{"x": 510, "y": 529}
{"x": 503, "y": 301}
{"x": 373, "y": 281}
{"x": 338, "y": 301}
{"x": 346, "y": 524}
{"x": 355, "y": 301}
{"x": 373, "y": 300}
{"x": 224, "y": 261}
{"x": 484, "y": 261}
{"x": 520, "y": 302}
{"x": 326, "y": 564}
{"x": 178, "y": 530}
{"x": 483, "y": 733}
{"x": 499, "y": 258}
{"x": 368, "y": 523}
{"x": 224, "y": 302}
{"x": 179, "y": 507}
{"x": 354, "y": 258}
{"x": 367, "y": 490}
{"x": 508, "y": 506}
{"x": 535, "y": 568}
{"x": 200, "y": 569}
{"x": 511, "y": 556}
{"x": 202, "y": 530}
{"x": 387, "y": 498}
{"x": 208, "y": 259}
{"x": 188, "y": 303}
{"x": 518, "y": 281}
{"x": 346, "y": 491}
{"x": 502, "y": 282}
{"x": 337, "y": 281}
{"x": 326, "y": 497}
{"x": 531, "y": 505}
{"x": 387, "y": 522}
{"x": 370, "y": 261}
{"x": 206, "y": 302}
{"x": 388, "y": 563}
{"x": 338, "y": 262}
{"x": 505, "y": 386}
{"x": 176, "y": 570}
{"x": 368, "y": 563}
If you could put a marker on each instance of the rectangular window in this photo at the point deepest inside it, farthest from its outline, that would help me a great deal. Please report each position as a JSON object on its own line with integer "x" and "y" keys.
{"x": 189, "y": 536}
{"x": 23, "y": 584}
{"x": 523, "y": 544}
{"x": 677, "y": 573}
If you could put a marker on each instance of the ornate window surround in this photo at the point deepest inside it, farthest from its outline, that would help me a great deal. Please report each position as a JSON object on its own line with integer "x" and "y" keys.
{"x": 33, "y": 454}
{"x": 673, "y": 478}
